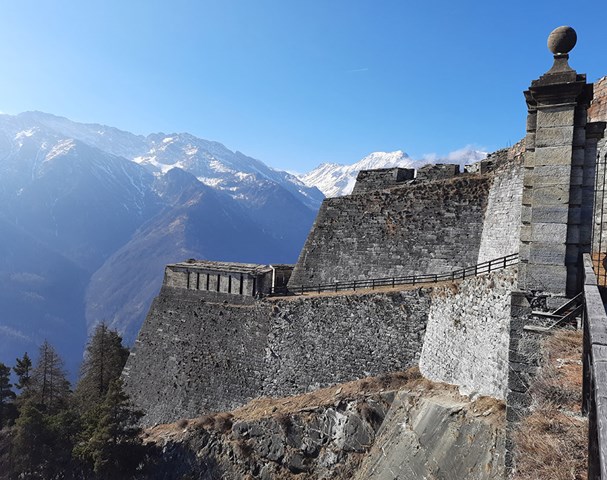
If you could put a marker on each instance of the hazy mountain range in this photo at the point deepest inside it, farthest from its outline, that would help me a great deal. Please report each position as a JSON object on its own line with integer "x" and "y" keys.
{"x": 89, "y": 216}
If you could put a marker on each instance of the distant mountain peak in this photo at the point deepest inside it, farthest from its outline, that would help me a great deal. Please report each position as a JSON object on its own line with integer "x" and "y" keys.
{"x": 335, "y": 180}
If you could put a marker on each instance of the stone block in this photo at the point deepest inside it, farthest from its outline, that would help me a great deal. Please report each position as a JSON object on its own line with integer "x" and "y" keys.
{"x": 553, "y": 233}
{"x": 528, "y": 178}
{"x": 526, "y": 214}
{"x": 579, "y": 137}
{"x": 575, "y": 196}
{"x": 560, "y": 155}
{"x": 524, "y": 251}
{"x": 558, "y": 116}
{"x": 547, "y": 253}
{"x": 554, "y": 136}
{"x": 550, "y": 214}
{"x": 525, "y": 234}
{"x": 527, "y": 197}
{"x": 531, "y": 121}
{"x": 547, "y": 278}
{"x": 550, "y": 195}
{"x": 573, "y": 235}
{"x": 578, "y": 156}
{"x": 560, "y": 173}
{"x": 575, "y": 215}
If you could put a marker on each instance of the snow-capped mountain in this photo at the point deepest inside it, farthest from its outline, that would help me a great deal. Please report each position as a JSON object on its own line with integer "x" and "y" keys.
{"x": 89, "y": 216}
{"x": 335, "y": 180}
{"x": 211, "y": 162}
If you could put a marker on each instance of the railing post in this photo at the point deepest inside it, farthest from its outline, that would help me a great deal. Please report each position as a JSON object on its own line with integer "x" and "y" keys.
{"x": 489, "y": 267}
{"x": 505, "y": 261}
{"x": 354, "y": 285}
{"x": 392, "y": 282}
{"x": 319, "y": 288}
{"x": 336, "y": 286}
{"x": 302, "y": 289}
{"x": 436, "y": 278}
{"x": 475, "y": 270}
{"x": 373, "y": 284}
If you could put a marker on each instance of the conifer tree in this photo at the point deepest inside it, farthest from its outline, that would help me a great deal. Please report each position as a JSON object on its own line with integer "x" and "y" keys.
{"x": 112, "y": 445}
{"x": 6, "y": 396}
{"x": 104, "y": 360}
{"x": 23, "y": 370}
{"x": 49, "y": 385}
{"x": 29, "y": 442}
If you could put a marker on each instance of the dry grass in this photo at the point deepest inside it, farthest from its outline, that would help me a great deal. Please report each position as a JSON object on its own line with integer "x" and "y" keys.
{"x": 282, "y": 409}
{"x": 599, "y": 264}
{"x": 266, "y": 406}
{"x": 551, "y": 442}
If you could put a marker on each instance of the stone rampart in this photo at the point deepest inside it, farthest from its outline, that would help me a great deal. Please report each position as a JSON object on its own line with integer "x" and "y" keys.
{"x": 467, "y": 335}
{"x": 194, "y": 356}
{"x": 431, "y": 227}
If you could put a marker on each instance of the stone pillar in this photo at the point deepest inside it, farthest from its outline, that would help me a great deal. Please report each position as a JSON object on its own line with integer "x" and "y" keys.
{"x": 554, "y": 233}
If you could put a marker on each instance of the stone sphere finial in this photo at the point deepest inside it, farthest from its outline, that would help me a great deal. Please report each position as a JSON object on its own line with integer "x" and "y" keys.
{"x": 562, "y": 40}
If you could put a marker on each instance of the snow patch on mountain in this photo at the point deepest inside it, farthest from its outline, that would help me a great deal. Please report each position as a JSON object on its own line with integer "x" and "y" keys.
{"x": 335, "y": 180}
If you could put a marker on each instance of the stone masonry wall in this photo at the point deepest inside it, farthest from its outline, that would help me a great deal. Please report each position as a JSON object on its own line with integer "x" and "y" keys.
{"x": 467, "y": 336}
{"x": 319, "y": 341}
{"x": 500, "y": 235}
{"x": 194, "y": 356}
{"x": 431, "y": 227}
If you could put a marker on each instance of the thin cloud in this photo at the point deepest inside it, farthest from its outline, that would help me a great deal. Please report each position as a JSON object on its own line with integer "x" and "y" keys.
{"x": 11, "y": 332}
{"x": 462, "y": 156}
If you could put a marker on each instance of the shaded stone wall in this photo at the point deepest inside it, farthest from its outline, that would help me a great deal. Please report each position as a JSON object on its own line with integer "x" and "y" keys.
{"x": 431, "y": 227}
{"x": 467, "y": 336}
{"x": 193, "y": 356}
{"x": 319, "y": 341}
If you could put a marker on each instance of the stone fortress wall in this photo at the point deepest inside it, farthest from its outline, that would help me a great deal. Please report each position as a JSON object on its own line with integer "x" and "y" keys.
{"x": 218, "y": 351}
{"x": 428, "y": 227}
{"x": 218, "y": 356}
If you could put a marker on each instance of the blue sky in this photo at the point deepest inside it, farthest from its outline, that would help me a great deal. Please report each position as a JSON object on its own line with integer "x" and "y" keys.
{"x": 293, "y": 83}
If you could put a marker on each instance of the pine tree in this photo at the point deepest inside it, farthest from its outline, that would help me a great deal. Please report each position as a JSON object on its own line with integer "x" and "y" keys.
{"x": 104, "y": 360}
{"x": 6, "y": 396}
{"x": 49, "y": 385}
{"x": 29, "y": 445}
{"x": 23, "y": 370}
{"x": 112, "y": 444}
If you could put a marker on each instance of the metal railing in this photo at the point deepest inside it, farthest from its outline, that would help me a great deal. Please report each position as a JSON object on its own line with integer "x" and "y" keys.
{"x": 594, "y": 360}
{"x": 353, "y": 285}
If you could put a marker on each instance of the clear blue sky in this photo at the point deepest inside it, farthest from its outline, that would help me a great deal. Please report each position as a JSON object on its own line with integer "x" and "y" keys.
{"x": 292, "y": 82}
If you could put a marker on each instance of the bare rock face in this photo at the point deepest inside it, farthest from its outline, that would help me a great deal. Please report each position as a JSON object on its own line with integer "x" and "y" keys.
{"x": 424, "y": 430}
{"x": 436, "y": 438}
